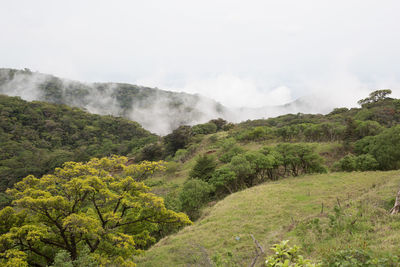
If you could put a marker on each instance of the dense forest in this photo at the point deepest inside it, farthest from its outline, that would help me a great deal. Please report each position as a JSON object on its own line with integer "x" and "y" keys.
{"x": 80, "y": 205}
{"x": 37, "y": 137}
{"x": 156, "y": 110}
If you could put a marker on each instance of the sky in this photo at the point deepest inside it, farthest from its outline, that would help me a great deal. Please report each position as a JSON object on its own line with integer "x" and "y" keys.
{"x": 240, "y": 53}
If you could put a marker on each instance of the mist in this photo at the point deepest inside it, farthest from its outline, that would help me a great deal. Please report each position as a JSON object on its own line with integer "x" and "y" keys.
{"x": 161, "y": 111}
{"x": 253, "y": 54}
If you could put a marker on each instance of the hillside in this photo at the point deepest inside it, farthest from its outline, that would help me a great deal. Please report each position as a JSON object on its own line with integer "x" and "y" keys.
{"x": 36, "y": 137}
{"x": 156, "y": 110}
{"x": 277, "y": 178}
{"x": 279, "y": 210}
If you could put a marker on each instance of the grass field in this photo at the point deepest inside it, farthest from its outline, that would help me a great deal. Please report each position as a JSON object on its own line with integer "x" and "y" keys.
{"x": 287, "y": 209}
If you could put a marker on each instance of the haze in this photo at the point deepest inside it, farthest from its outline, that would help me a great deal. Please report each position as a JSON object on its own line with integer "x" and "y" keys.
{"x": 240, "y": 53}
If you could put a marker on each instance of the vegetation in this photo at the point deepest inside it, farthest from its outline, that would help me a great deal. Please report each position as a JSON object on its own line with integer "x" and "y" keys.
{"x": 284, "y": 255}
{"x": 98, "y": 206}
{"x": 287, "y": 209}
{"x": 271, "y": 180}
{"x": 37, "y": 137}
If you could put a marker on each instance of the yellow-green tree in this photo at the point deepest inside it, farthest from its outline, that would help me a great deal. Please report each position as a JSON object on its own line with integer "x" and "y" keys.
{"x": 96, "y": 207}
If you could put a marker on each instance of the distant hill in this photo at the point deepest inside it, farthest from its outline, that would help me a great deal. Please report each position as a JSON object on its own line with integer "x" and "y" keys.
{"x": 157, "y": 110}
{"x": 36, "y": 137}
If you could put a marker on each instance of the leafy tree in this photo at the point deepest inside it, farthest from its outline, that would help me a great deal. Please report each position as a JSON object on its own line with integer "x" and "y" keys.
{"x": 384, "y": 147}
{"x": 300, "y": 159}
{"x": 36, "y": 137}
{"x": 224, "y": 179}
{"x": 153, "y": 151}
{"x": 347, "y": 163}
{"x": 204, "y": 167}
{"x": 97, "y": 205}
{"x": 206, "y": 128}
{"x": 375, "y": 96}
{"x": 220, "y": 123}
{"x": 195, "y": 193}
{"x": 366, "y": 162}
{"x": 178, "y": 139}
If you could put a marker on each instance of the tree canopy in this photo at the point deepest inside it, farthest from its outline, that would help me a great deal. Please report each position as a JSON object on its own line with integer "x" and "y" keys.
{"x": 97, "y": 207}
{"x": 375, "y": 96}
{"x": 36, "y": 137}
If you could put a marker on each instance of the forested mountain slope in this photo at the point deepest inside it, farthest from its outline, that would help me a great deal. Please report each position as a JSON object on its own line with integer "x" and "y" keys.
{"x": 36, "y": 137}
{"x": 157, "y": 110}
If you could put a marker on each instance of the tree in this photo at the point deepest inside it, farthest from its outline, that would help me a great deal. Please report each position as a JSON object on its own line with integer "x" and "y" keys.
{"x": 384, "y": 147}
{"x": 195, "y": 193}
{"x": 375, "y": 96}
{"x": 300, "y": 159}
{"x": 204, "y": 168}
{"x": 179, "y": 138}
{"x": 205, "y": 128}
{"x": 94, "y": 205}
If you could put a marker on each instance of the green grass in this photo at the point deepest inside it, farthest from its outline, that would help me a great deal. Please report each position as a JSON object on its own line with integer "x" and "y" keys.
{"x": 275, "y": 211}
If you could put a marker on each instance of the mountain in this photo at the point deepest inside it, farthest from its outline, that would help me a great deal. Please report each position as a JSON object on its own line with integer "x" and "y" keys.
{"x": 36, "y": 137}
{"x": 157, "y": 110}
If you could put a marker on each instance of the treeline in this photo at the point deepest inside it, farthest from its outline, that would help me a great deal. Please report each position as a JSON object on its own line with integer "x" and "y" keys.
{"x": 233, "y": 169}
{"x": 36, "y": 137}
{"x": 367, "y": 136}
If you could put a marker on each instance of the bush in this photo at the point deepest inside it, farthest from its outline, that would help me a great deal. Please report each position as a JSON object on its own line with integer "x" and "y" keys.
{"x": 284, "y": 255}
{"x": 358, "y": 257}
{"x": 204, "y": 168}
{"x": 229, "y": 150}
{"x": 366, "y": 162}
{"x": 195, "y": 193}
{"x": 347, "y": 164}
{"x": 350, "y": 163}
{"x": 206, "y": 128}
{"x": 224, "y": 180}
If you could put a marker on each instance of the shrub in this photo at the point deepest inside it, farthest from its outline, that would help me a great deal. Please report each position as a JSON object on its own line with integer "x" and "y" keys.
{"x": 347, "y": 163}
{"x": 366, "y": 162}
{"x": 224, "y": 179}
{"x": 204, "y": 168}
{"x": 358, "y": 257}
{"x": 284, "y": 255}
{"x": 195, "y": 193}
{"x": 350, "y": 163}
{"x": 205, "y": 128}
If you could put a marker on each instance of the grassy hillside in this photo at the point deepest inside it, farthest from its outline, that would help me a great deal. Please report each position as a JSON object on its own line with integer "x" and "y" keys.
{"x": 280, "y": 210}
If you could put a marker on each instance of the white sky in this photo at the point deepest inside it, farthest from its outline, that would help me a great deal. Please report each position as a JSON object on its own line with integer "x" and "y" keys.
{"x": 241, "y": 53}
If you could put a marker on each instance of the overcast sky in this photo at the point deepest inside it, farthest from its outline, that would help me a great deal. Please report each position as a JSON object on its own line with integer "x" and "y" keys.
{"x": 241, "y": 53}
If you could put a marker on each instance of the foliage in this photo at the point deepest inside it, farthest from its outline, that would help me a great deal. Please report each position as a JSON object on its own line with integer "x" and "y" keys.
{"x": 229, "y": 149}
{"x": 384, "y": 147}
{"x": 178, "y": 139}
{"x": 347, "y": 163}
{"x": 195, "y": 193}
{"x": 204, "y": 167}
{"x": 205, "y": 128}
{"x": 220, "y": 123}
{"x": 151, "y": 152}
{"x": 300, "y": 159}
{"x": 63, "y": 259}
{"x": 358, "y": 257}
{"x": 286, "y": 256}
{"x": 224, "y": 179}
{"x": 375, "y": 96}
{"x": 98, "y": 205}
{"x": 36, "y": 137}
